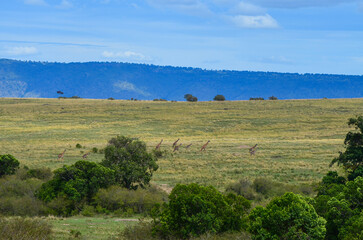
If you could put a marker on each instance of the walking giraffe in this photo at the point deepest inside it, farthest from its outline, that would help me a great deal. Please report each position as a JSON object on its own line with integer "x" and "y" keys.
{"x": 158, "y": 146}
{"x": 61, "y": 155}
{"x": 85, "y": 155}
{"x": 176, "y": 142}
{"x": 253, "y": 150}
{"x": 176, "y": 148}
{"x": 204, "y": 146}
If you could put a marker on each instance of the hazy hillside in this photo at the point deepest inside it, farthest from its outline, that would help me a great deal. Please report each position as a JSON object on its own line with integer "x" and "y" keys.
{"x": 141, "y": 81}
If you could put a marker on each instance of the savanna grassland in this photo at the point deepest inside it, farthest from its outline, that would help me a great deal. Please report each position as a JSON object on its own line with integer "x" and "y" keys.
{"x": 297, "y": 138}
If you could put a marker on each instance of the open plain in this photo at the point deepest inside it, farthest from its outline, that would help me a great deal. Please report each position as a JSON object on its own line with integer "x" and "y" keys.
{"x": 297, "y": 139}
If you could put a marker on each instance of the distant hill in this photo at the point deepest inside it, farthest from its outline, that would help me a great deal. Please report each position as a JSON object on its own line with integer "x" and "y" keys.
{"x": 141, "y": 81}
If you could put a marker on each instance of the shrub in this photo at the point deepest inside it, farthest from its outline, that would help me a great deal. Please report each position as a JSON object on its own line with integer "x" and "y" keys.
{"x": 194, "y": 210}
{"x": 8, "y": 165}
{"x": 88, "y": 211}
{"x": 190, "y": 98}
{"x": 272, "y": 98}
{"x": 78, "y": 145}
{"x": 257, "y": 98}
{"x": 95, "y": 150}
{"x": 24, "y": 228}
{"x": 140, "y": 231}
{"x": 75, "y": 183}
{"x": 219, "y": 98}
{"x": 40, "y": 173}
{"x": 288, "y": 217}
{"x": 133, "y": 165}
{"x": 139, "y": 201}
{"x": 76, "y": 97}
{"x": 17, "y": 197}
{"x": 111, "y": 98}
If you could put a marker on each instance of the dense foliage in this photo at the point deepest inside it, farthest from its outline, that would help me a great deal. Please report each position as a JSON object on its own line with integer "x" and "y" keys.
{"x": 72, "y": 184}
{"x": 190, "y": 98}
{"x": 352, "y": 158}
{"x": 132, "y": 163}
{"x": 219, "y": 98}
{"x": 288, "y": 217}
{"x": 8, "y": 165}
{"x": 193, "y": 210}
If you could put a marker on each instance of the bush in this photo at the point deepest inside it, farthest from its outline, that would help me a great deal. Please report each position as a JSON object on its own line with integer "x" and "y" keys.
{"x": 111, "y": 98}
{"x": 116, "y": 198}
{"x": 133, "y": 165}
{"x": 78, "y": 145}
{"x": 272, "y": 98}
{"x": 140, "y": 231}
{"x": 24, "y": 228}
{"x": 8, "y": 165}
{"x": 257, "y": 98}
{"x": 190, "y": 98}
{"x": 74, "y": 184}
{"x": 95, "y": 150}
{"x": 219, "y": 98}
{"x": 18, "y": 198}
{"x": 288, "y": 217}
{"x": 194, "y": 210}
{"x": 40, "y": 173}
{"x": 160, "y": 99}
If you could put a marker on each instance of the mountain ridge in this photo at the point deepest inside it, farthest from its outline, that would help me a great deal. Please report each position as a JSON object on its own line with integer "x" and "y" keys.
{"x": 119, "y": 80}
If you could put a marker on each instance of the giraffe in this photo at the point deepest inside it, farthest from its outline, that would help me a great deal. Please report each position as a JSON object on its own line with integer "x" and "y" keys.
{"x": 61, "y": 155}
{"x": 176, "y": 142}
{"x": 176, "y": 148}
{"x": 204, "y": 146}
{"x": 253, "y": 150}
{"x": 188, "y": 146}
{"x": 158, "y": 146}
{"x": 85, "y": 155}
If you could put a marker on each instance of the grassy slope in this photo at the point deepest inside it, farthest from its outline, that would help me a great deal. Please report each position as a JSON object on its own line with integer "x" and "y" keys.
{"x": 297, "y": 139}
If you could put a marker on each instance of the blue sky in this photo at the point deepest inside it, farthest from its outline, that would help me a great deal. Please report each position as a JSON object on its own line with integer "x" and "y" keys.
{"x": 314, "y": 36}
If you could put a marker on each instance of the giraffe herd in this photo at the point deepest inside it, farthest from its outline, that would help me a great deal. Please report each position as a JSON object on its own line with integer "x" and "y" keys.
{"x": 175, "y": 147}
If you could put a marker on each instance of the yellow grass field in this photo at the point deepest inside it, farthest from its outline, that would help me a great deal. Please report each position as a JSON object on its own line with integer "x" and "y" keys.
{"x": 297, "y": 138}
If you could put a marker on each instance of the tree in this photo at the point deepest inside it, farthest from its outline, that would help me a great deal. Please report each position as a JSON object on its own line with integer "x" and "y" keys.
{"x": 8, "y": 165}
{"x": 77, "y": 182}
{"x": 133, "y": 165}
{"x": 190, "y": 98}
{"x": 288, "y": 217}
{"x": 272, "y": 98}
{"x": 194, "y": 210}
{"x": 219, "y": 98}
{"x": 352, "y": 158}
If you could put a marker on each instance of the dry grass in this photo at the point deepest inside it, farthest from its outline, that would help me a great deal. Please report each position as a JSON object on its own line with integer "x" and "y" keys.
{"x": 297, "y": 138}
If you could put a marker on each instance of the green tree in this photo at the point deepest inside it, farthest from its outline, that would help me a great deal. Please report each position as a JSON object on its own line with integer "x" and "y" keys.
{"x": 133, "y": 165}
{"x": 288, "y": 217}
{"x": 77, "y": 182}
{"x": 190, "y": 98}
{"x": 352, "y": 158}
{"x": 8, "y": 165}
{"x": 194, "y": 210}
{"x": 219, "y": 98}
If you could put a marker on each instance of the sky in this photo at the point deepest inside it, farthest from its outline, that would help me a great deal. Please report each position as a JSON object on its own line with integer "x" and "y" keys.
{"x": 299, "y": 36}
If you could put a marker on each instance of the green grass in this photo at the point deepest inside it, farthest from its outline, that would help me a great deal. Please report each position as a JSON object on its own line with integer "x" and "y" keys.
{"x": 297, "y": 138}
{"x": 89, "y": 227}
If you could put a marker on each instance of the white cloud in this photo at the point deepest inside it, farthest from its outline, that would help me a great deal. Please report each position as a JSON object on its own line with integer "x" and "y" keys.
{"x": 299, "y": 3}
{"x": 248, "y": 8}
{"x": 22, "y": 51}
{"x": 127, "y": 55}
{"x": 127, "y": 86}
{"x": 35, "y": 2}
{"x": 65, "y": 4}
{"x": 261, "y": 21}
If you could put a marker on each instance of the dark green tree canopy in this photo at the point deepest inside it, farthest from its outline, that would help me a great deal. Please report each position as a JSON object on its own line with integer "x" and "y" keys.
{"x": 133, "y": 165}
{"x": 352, "y": 158}
{"x": 219, "y": 98}
{"x": 76, "y": 182}
{"x": 288, "y": 217}
{"x": 8, "y": 165}
{"x": 194, "y": 210}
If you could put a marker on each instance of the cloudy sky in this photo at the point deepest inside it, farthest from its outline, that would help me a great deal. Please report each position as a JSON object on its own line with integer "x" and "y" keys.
{"x": 314, "y": 36}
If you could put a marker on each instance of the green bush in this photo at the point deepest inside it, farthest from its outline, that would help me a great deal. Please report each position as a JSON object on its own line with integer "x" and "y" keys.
{"x": 8, "y": 165}
{"x": 132, "y": 163}
{"x": 40, "y": 173}
{"x": 78, "y": 145}
{"x": 17, "y": 197}
{"x": 288, "y": 217}
{"x": 139, "y": 201}
{"x": 24, "y": 228}
{"x": 95, "y": 150}
{"x": 219, "y": 98}
{"x": 194, "y": 210}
